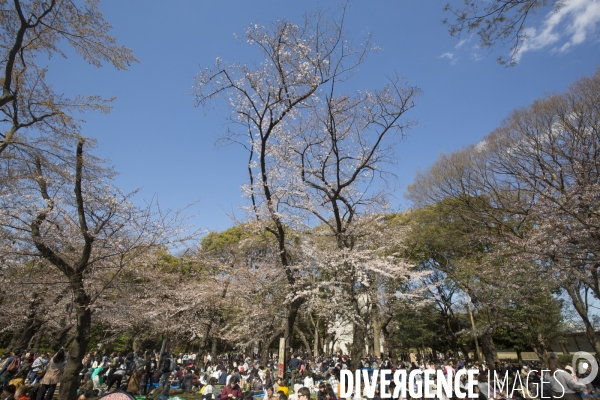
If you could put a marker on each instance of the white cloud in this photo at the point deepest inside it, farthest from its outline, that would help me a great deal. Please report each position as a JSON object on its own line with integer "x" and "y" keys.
{"x": 476, "y": 53}
{"x": 450, "y": 56}
{"x": 476, "y": 56}
{"x": 573, "y": 23}
{"x": 462, "y": 42}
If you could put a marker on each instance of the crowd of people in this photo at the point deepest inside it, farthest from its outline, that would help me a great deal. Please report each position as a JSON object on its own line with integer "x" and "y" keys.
{"x": 232, "y": 376}
{"x": 30, "y": 376}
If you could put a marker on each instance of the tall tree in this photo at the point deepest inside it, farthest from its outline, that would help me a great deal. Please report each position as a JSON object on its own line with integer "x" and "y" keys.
{"x": 64, "y": 211}
{"x": 531, "y": 188}
{"x": 265, "y": 98}
{"x": 30, "y": 29}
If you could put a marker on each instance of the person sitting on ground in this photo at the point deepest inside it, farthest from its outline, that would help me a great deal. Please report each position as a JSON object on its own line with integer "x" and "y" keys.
{"x": 196, "y": 381}
{"x": 232, "y": 391}
{"x": 309, "y": 382}
{"x": 329, "y": 394}
{"x": 282, "y": 388}
{"x": 321, "y": 392}
{"x": 87, "y": 386}
{"x": 178, "y": 377}
{"x": 187, "y": 380}
{"x": 303, "y": 393}
{"x": 269, "y": 395}
{"x": 281, "y": 396}
{"x": 208, "y": 392}
{"x": 257, "y": 384}
{"x": 9, "y": 392}
{"x": 21, "y": 393}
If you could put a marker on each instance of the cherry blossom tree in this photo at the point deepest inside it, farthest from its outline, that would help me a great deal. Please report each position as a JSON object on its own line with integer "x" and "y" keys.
{"x": 314, "y": 151}
{"x": 265, "y": 98}
{"x": 65, "y": 211}
{"x": 351, "y": 277}
{"x": 33, "y": 303}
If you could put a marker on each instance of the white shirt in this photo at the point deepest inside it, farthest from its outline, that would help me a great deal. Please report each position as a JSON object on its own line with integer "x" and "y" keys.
{"x": 309, "y": 383}
{"x": 209, "y": 390}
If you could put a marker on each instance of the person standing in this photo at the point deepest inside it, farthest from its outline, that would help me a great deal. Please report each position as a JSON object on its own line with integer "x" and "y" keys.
{"x": 148, "y": 373}
{"x": 115, "y": 363}
{"x": 134, "y": 386}
{"x": 52, "y": 376}
{"x": 166, "y": 369}
{"x": 40, "y": 363}
{"x": 294, "y": 366}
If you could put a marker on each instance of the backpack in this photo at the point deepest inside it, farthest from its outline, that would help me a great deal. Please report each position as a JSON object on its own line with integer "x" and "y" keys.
{"x": 129, "y": 367}
{"x": 149, "y": 366}
{"x": 166, "y": 365}
{"x": 169, "y": 365}
{"x": 115, "y": 363}
{"x": 14, "y": 365}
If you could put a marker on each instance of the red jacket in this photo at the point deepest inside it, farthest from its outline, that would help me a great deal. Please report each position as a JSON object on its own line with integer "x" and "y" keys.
{"x": 227, "y": 390}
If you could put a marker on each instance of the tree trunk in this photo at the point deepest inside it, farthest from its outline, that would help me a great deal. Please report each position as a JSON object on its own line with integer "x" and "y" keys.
{"x": 214, "y": 347}
{"x": 70, "y": 379}
{"x": 58, "y": 339}
{"x": 264, "y": 352}
{"x": 376, "y": 336}
{"x": 489, "y": 349}
{"x": 304, "y": 341}
{"x": 266, "y": 345}
{"x": 316, "y": 343}
{"x": 358, "y": 345}
{"x": 289, "y": 328}
{"x": 385, "y": 334}
{"x": 581, "y": 309}
{"x": 128, "y": 343}
{"x": 454, "y": 345}
{"x": 563, "y": 347}
{"x": 519, "y": 356}
{"x": 207, "y": 336}
{"x": 138, "y": 341}
{"x": 542, "y": 343}
{"x": 38, "y": 340}
{"x": 465, "y": 350}
{"x": 20, "y": 340}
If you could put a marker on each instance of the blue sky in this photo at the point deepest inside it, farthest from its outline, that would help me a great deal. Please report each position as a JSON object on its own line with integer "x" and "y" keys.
{"x": 159, "y": 142}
